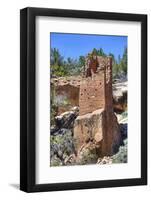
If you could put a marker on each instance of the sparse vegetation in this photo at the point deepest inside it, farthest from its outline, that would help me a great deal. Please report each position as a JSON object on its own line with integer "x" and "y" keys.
{"x": 61, "y": 146}
{"x": 88, "y": 156}
{"x": 121, "y": 156}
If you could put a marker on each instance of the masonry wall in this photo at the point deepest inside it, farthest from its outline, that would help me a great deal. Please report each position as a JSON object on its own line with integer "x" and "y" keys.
{"x": 92, "y": 94}
{"x": 96, "y": 91}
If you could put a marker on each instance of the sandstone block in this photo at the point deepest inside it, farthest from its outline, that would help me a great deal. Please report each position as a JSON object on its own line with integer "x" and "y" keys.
{"x": 98, "y": 128}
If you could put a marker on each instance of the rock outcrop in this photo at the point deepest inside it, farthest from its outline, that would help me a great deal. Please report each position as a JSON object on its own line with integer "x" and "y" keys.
{"x": 104, "y": 160}
{"x": 66, "y": 119}
{"x": 120, "y": 97}
{"x": 92, "y": 132}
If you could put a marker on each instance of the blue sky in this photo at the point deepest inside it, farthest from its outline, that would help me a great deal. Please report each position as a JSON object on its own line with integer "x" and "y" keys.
{"x": 75, "y": 45}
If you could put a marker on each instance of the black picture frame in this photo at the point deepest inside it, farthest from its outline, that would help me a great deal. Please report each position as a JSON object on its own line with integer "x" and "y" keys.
{"x": 28, "y": 98}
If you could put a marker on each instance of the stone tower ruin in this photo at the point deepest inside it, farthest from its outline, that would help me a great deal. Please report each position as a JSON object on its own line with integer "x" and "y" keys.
{"x": 96, "y": 86}
{"x": 96, "y": 125}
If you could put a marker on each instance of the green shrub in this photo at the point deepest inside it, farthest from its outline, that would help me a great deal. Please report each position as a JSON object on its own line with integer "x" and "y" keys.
{"x": 121, "y": 156}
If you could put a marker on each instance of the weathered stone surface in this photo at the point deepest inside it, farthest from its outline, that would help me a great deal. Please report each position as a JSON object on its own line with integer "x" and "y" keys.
{"x": 66, "y": 119}
{"x": 71, "y": 92}
{"x": 104, "y": 160}
{"x": 98, "y": 128}
{"x": 96, "y": 87}
{"x": 97, "y": 124}
{"x": 66, "y": 92}
{"x": 86, "y": 127}
{"x": 120, "y": 97}
{"x": 92, "y": 94}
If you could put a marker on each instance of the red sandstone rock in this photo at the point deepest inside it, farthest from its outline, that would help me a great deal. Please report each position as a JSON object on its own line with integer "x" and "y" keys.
{"x": 92, "y": 128}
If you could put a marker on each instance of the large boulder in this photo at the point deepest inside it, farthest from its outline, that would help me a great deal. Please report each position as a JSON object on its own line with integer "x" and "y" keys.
{"x": 97, "y": 131}
{"x": 66, "y": 119}
{"x": 120, "y": 97}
